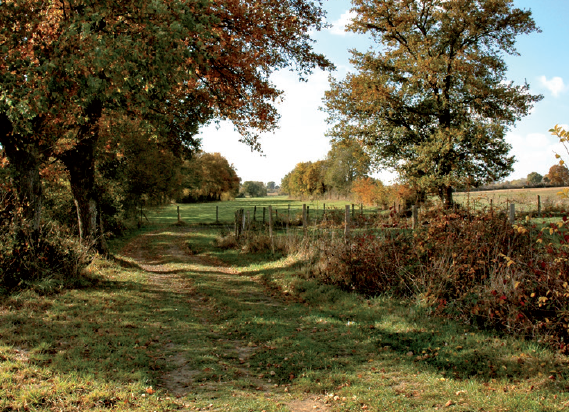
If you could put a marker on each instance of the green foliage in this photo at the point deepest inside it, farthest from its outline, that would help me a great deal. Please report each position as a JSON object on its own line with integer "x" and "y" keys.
{"x": 346, "y": 162}
{"x": 534, "y": 178}
{"x": 46, "y": 260}
{"x": 434, "y": 104}
{"x": 165, "y": 66}
{"x": 254, "y": 189}
{"x": 208, "y": 177}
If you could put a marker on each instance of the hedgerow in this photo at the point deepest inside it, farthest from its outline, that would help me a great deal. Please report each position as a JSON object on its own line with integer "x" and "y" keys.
{"x": 473, "y": 266}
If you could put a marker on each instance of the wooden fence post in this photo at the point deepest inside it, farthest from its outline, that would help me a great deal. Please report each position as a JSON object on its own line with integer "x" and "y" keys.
{"x": 414, "y": 217}
{"x": 271, "y": 229}
{"x": 237, "y": 223}
{"x": 538, "y": 205}
{"x": 243, "y": 220}
{"x": 263, "y": 215}
{"x": 304, "y": 218}
{"x": 178, "y": 210}
{"x": 254, "y": 212}
{"x": 512, "y": 213}
{"x": 361, "y": 209}
{"x": 347, "y": 221}
{"x": 217, "y": 220}
{"x": 248, "y": 225}
{"x": 353, "y": 210}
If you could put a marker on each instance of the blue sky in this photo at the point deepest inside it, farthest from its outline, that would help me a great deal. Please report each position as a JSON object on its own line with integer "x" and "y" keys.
{"x": 543, "y": 62}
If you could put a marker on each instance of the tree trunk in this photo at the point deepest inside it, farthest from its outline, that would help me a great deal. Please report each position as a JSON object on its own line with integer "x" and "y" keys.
{"x": 25, "y": 161}
{"x": 80, "y": 162}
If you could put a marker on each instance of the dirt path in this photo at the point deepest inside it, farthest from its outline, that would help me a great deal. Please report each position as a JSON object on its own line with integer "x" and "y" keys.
{"x": 167, "y": 259}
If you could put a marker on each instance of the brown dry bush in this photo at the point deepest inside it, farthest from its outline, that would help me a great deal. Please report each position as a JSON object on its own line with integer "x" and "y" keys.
{"x": 475, "y": 267}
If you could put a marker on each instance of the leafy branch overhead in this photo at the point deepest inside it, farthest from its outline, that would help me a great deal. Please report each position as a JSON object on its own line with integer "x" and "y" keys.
{"x": 433, "y": 101}
{"x": 71, "y": 69}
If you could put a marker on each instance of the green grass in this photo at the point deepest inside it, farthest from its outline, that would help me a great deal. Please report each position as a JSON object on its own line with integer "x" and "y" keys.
{"x": 251, "y": 333}
{"x": 200, "y": 213}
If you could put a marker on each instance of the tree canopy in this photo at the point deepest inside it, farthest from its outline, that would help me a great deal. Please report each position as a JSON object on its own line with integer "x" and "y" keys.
{"x": 208, "y": 177}
{"x": 70, "y": 68}
{"x": 254, "y": 189}
{"x": 534, "y": 178}
{"x": 558, "y": 175}
{"x": 433, "y": 102}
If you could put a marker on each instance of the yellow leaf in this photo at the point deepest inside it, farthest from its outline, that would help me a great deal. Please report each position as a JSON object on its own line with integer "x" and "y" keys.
{"x": 517, "y": 284}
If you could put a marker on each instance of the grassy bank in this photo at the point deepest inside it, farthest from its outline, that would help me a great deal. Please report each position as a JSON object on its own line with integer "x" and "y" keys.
{"x": 177, "y": 324}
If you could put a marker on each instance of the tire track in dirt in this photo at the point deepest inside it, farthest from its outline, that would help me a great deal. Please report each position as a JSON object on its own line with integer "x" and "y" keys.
{"x": 166, "y": 266}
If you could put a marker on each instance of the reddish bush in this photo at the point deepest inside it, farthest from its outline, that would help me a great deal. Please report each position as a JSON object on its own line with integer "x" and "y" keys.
{"x": 477, "y": 267}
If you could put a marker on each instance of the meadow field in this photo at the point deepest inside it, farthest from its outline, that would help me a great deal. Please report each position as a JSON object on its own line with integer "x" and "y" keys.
{"x": 205, "y": 213}
{"x": 525, "y": 200}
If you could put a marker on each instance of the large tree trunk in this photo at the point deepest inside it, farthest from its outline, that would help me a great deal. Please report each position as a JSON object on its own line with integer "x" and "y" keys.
{"x": 25, "y": 161}
{"x": 80, "y": 162}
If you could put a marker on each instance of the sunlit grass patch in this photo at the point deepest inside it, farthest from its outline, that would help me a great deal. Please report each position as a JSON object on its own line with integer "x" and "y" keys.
{"x": 222, "y": 330}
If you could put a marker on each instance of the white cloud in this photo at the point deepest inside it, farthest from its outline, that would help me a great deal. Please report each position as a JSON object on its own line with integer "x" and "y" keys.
{"x": 555, "y": 85}
{"x": 344, "y": 20}
{"x": 534, "y": 152}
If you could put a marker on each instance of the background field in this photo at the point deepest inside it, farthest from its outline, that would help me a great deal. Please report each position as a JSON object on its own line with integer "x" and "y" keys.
{"x": 205, "y": 213}
{"x": 524, "y": 199}
{"x": 195, "y": 213}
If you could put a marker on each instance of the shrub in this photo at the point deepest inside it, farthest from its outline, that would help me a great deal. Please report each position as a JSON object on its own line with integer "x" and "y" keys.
{"x": 28, "y": 257}
{"x": 475, "y": 267}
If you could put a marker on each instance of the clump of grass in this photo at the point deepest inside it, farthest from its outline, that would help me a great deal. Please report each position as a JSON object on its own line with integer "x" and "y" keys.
{"x": 257, "y": 240}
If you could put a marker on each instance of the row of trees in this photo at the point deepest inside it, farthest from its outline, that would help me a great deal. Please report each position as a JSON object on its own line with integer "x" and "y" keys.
{"x": 83, "y": 82}
{"x": 557, "y": 175}
{"x": 344, "y": 164}
{"x": 208, "y": 177}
